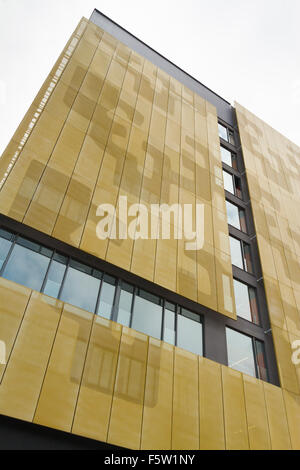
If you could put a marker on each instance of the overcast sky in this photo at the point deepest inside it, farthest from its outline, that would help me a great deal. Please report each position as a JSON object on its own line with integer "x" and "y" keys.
{"x": 245, "y": 50}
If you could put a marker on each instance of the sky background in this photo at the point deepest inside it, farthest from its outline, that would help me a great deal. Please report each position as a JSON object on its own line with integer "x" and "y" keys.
{"x": 245, "y": 50}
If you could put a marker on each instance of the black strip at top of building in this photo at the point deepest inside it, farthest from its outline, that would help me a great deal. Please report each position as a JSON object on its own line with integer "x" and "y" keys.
{"x": 224, "y": 109}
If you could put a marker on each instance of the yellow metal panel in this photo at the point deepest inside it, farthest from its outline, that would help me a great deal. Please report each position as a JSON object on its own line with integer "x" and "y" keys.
{"x": 22, "y": 382}
{"x": 206, "y": 277}
{"x": 57, "y": 401}
{"x": 13, "y": 301}
{"x": 292, "y": 405}
{"x": 225, "y": 293}
{"x": 185, "y": 424}
{"x": 236, "y": 430}
{"x": 280, "y": 438}
{"x": 258, "y": 430}
{"x": 157, "y": 416}
{"x": 128, "y": 399}
{"x": 287, "y": 370}
{"x": 95, "y": 396}
{"x": 211, "y": 406}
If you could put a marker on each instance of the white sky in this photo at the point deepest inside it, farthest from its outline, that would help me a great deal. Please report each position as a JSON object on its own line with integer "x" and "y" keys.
{"x": 244, "y": 50}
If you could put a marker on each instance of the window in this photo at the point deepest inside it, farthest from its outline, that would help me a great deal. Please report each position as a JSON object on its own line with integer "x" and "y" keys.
{"x": 169, "y": 323}
{"x": 240, "y": 352}
{"x": 125, "y": 304}
{"x": 232, "y": 184}
{"x": 189, "y": 331}
{"x": 245, "y": 301}
{"x": 240, "y": 254}
{"x": 5, "y": 244}
{"x": 228, "y": 157}
{"x": 236, "y": 216}
{"x": 55, "y": 275}
{"x": 226, "y": 134}
{"x": 246, "y": 354}
{"x": 80, "y": 287}
{"x": 147, "y": 315}
{"x": 27, "y": 264}
{"x": 107, "y": 295}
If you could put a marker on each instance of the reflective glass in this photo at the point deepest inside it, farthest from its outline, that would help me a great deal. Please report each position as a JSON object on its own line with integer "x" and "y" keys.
{"x": 80, "y": 289}
{"x": 4, "y": 249}
{"x": 54, "y": 278}
{"x": 228, "y": 182}
{"x": 242, "y": 301}
{"x": 26, "y": 267}
{"x": 147, "y": 317}
{"x": 236, "y": 252}
{"x": 240, "y": 352}
{"x": 189, "y": 334}
{"x": 125, "y": 304}
{"x": 223, "y": 132}
{"x": 226, "y": 156}
{"x": 107, "y": 295}
{"x": 169, "y": 326}
{"x": 233, "y": 215}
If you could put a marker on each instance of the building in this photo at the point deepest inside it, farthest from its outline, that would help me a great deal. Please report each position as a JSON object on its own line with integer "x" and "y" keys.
{"x": 133, "y": 342}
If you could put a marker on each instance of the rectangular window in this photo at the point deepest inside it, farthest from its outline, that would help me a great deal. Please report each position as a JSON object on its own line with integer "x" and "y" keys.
{"x": 240, "y": 254}
{"x": 80, "y": 288}
{"x": 55, "y": 275}
{"x": 169, "y": 323}
{"x": 147, "y": 315}
{"x": 125, "y": 304}
{"x": 229, "y": 158}
{"x": 107, "y": 295}
{"x": 236, "y": 216}
{"x": 245, "y": 301}
{"x": 27, "y": 264}
{"x": 232, "y": 184}
{"x": 5, "y": 244}
{"x": 226, "y": 134}
{"x": 240, "y": 352}
{"x": 228, "y": 182}
{"x": 189, "y": 332}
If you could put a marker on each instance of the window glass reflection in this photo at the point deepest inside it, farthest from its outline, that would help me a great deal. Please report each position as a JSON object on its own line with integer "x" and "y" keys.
{"x": 26, "y": 267}
{"x": 147, "y": 317}
{"x": 223, "y": 132}
{"x": 236, "y": 252}
{"x": 240, "y": 352}
{"x": 169, "y": 326}
{"x": 236, "y": 216}
{"x": 226, "y": 156}
{"x": 189, "y": 332}
{"x": 107, "y": 295}
{"x": 242, "y": 302}
{"x": 54, "y": 278}
{"x": 80, "y": 289}
{"x": 125, "y": 304}
{"x": 4, "y": 249}
{"x": 228, "y": 182}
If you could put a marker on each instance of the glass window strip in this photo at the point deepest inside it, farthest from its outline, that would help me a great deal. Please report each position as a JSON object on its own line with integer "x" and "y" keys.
{"x": 67, "y": 261}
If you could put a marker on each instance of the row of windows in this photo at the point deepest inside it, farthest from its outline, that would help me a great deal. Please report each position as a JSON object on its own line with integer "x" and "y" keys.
{"x": 45, "y": 270}
{"x": 245, "y": 352}
{"x": 58, "y": 276}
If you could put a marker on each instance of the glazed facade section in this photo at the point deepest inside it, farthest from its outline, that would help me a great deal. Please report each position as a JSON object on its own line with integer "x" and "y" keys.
{"x": 272, "y": 163}
{"x": 112, "y": 124}
{"x": 74, "y": 371}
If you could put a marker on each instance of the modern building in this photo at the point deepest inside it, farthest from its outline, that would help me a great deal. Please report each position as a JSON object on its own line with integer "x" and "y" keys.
{"x": 136, "y": 342}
